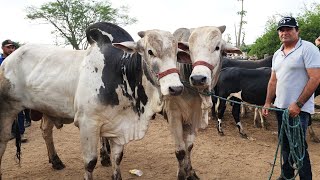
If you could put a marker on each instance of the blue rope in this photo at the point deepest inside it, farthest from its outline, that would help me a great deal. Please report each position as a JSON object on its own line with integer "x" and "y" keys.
{"x": 292, "y": 129}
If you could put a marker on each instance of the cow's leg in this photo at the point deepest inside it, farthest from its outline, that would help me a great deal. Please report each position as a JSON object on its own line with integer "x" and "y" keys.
{"x": 189, "y": 136}
{"x": 175, "y": 124}
{"x": 116, "y": 158}
{"x": 221, "y": 110}
{"x": 7, "y": 117}
{"x": 105, "y": 152}
{"x": 236, "y": 115}
{"x": 255, "y": 117}
{"x": 243, "y": 111}
{"x": 89, "y": 133}
{"x": 46, "y": 127}
{"x": 213, "y": 108}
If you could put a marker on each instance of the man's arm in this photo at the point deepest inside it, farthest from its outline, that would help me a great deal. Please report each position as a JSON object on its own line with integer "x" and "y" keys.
{"x": 311, "y": 86}
{"x": 271, "y": 93}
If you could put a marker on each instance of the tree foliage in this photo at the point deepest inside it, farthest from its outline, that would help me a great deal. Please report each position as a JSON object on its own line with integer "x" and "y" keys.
{"x": 309, "y": 27}
{"x": 70, "y": 18}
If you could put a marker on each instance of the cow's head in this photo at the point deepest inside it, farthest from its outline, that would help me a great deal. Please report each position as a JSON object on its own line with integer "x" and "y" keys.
{"x": 205, "y": 47}
{"x": 159, "y": 52}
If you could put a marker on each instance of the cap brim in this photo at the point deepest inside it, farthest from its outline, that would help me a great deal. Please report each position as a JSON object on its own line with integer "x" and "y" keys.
{"x": 9, "y": 45}
{"x": 286, "y": 26}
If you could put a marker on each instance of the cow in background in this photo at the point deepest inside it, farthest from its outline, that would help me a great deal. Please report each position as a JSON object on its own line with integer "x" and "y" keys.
{"x": 250, "y": 85}
{"x": 186, "y": 113}
{"x": 109, "y": 90}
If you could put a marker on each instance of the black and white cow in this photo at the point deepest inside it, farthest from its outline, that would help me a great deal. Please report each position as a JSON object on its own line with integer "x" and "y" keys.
{"x": 186, "y": 113}
{"x": 109, "y": 90}
{"x": 266, "y": 62}
{"x": 249, "y": 84}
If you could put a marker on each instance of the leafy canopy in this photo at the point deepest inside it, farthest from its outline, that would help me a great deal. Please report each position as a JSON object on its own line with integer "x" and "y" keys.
{"x": 70, "y": 18}
{"x": 309, "y": 27}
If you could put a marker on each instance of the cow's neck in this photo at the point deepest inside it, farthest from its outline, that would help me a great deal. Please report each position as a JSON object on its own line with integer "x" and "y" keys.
{"x": 143, "y": 82}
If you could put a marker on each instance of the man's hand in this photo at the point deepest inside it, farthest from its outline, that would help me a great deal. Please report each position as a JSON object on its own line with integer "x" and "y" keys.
{"x": 294, "y": 110}
{"x": 265, "y": 110}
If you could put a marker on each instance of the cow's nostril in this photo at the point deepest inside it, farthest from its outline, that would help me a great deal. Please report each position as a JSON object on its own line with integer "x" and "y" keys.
{"x": 198, "y": 80}
{"x": 175, "y": 90}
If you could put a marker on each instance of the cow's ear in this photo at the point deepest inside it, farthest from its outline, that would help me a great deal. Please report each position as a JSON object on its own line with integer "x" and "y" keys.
{"x": 183, "y": 57}
{"x": 127, "y": 46}
{"x": 184, "y": 46}
{"x": 228, "y": 48}
{"x": 141, "y": 33}
{"x": 222, "y": 28}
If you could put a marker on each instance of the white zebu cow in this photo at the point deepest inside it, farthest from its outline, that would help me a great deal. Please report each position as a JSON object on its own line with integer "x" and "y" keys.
{"x": 106, "y": 91}
{"x": 185, "y": 113}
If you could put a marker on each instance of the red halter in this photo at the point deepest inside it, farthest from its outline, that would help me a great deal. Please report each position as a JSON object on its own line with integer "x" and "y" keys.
{"x": 169, "y": 71}
{"x": 203, "y": 63}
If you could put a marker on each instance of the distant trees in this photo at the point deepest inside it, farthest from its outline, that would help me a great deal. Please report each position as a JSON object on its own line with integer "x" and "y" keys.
{"x": 268, "y": 43}
{"x": 70, "y": 18}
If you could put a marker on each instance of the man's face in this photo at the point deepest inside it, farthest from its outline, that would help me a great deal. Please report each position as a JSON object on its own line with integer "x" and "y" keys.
{"x": 288, "y": 34}
{"x": 8, "y": 49}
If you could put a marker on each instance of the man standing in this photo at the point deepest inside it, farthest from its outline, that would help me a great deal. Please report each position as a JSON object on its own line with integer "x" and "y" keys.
{"x": 294, "y": 78}
{"x": 8, "y": 47}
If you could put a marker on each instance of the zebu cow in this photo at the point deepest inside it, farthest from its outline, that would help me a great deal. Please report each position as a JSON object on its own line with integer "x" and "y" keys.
{"x": 185, "y": 113}
{"x": 47, "y": 122}
{"x": 108, "y": 92}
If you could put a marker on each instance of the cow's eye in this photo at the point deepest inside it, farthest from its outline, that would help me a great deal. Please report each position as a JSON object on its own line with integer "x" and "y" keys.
{"x": 150, "y": 53}
{"x": 217, "y": 48}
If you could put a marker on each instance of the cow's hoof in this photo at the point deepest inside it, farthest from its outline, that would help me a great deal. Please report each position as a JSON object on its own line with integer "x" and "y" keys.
{"x": 105, "y": 162}
{"x": 193, "y": 176}
{"x": 244, "y": 135}
{"x": 221, "y": 133}
{"x": 182, "y": 175}
{"x": 116, "y": 177}
{"x": 57, "y": 164}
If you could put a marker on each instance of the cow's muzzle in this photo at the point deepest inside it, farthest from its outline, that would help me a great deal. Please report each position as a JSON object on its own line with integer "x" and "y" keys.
{"x": 198, "y": 80}
{"x": 175, "y": 90}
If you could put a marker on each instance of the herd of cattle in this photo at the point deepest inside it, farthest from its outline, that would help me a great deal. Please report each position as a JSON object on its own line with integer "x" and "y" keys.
{"x": 111, "y": 90}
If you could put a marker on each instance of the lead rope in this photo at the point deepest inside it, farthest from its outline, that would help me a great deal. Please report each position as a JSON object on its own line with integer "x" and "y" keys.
{"x": 293, "y": 132}
{"x": 296, "y": 141}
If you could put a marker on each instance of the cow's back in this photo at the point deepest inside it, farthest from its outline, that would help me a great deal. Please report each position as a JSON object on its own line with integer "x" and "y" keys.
{"x": 38, "y": 70}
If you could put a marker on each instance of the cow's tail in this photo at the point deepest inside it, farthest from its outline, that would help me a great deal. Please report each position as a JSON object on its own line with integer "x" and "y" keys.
{"x": 18, "y": 140}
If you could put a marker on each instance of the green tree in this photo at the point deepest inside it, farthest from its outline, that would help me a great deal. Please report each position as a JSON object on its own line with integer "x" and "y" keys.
{"x": 70, "y": 18}
{"x": 309, "y": 23}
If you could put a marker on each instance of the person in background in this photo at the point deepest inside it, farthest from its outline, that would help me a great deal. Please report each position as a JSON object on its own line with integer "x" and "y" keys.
{"x": 27, "y": 122}
{"x": 317, "y": 42}
{"x": 9, "y": 47}
{"x": 294, "y": 78}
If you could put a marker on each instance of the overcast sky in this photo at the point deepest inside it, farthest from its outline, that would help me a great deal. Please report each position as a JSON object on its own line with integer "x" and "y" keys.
{"x": 158, "y": 14}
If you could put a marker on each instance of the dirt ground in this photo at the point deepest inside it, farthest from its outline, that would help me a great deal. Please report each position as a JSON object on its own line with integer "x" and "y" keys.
{"x": 214, "y": 157}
